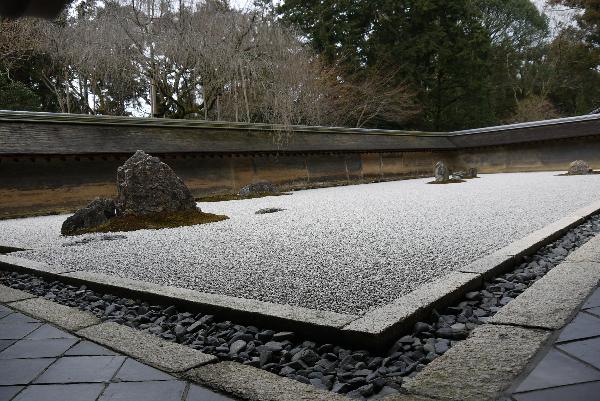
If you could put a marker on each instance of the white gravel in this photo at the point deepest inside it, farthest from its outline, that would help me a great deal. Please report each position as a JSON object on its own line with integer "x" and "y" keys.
{"x": 344, "y": 249}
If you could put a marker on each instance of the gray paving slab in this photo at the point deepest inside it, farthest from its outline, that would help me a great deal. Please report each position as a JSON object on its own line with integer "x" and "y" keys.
{"x": 4, "y": 311}
{"x": 557, "y": 369}
{"x": 16, "y": 318}
{"x": 593, "y": 301}
{"x": 6, "y": 343}
{"x": 576, "y": 392}
{"x": 61, "y": 392}
{"x": 133, "y": 371}
{"x": 147, "y": 348}
{"x": 60, "y": 315}
{"x": 81, "y": 369}
{"x": 8, "y": 294}
{"x": 22, "y": 371}
{"x": 6, "y": 393}
{"x": 481, "y": 367}
{"x": 17, "y": 331}
{"x": 594, "y": 311}
{"x": 252, "y": 384}
{"x": 47, "y": 331}
{"x": 144, "y": 391}
{"x": 87, "y": 348}
{"x": 586, "y": 350}
{"x": 38, "y": 348}
{"x": 549, "y": 303}
{"x": 583, "y": 326}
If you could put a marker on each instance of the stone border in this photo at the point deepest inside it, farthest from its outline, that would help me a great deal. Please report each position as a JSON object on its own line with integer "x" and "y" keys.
{"x": 493, "y": 356}
{"x": 374, "y": 330}
{"x": 233, "y": 378}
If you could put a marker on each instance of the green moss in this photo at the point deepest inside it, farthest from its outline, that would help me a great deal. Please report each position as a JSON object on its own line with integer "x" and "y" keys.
{"x": 9, "y": 249}
{"x": 155, "y": 221}
{"x": 228, "y": 197}
{"x": 446, "y": 182}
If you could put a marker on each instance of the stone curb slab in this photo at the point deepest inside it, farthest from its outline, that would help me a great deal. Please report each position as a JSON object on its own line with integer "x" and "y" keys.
{"x": 549, "y": 303}
{"x": 8, "y": 294}
{"x": 588, "y": 252}
{"x": 253, "y": 384}
{"x": 481, "y": 367}
{"x": 389, "y": 321}
{"x": 68, "y": 318}
{"x": 146, "y": 348}
{"x": 10, "y": 262}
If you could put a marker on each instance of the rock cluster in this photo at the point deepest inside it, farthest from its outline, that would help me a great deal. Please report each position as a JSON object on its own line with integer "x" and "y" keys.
{"x": 145, "y": 185}
{"x": 358, "y": 373}
{"x": 98, "y": 212}
{"x": 579, "y": 167}
{"x": 260, "y": 187}
{"x": 441, "y": 172}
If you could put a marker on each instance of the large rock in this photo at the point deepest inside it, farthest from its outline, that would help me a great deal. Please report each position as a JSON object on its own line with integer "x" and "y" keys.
{"x": 146, "y": 185}
{"x": 261, "y": 187}
{"x": 579, "y": 167}
{"x": 98, "y": 212}
{"x": 441, "y": 172}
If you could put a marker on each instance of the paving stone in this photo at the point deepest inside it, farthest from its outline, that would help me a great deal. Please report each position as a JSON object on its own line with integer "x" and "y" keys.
{"x": 22, "y": 371}
{"x": 583, "y": 326}
{"x": 88, "y": 348}
{"x": 61, "y": 392}
{"x": 252, "y": 384}
{"x": 197, "y": 393}
{"x": 5, "y": 344}
{"x": 16, "y": 318}
{"x": 38, "y": 348}
{"x": 144, "y": 391}
{"x": 147, "y": 348}
{"x": 6, "y": 393}
{"x": 577, "y": 392}
{"x": 595, "y": 311}
{"x": 480, "y": 367}
{"x": 47, "y": 331}
{"x": 82, "y": 369}
{"x": 593, "y": 301}
{"x": 4, "y": 311}
{"x": 133, "y": 371}
{"x": 549, "y": 303}
{"x": 8, "y": 294}
{"x": 557, "y": 369}
{"x": 71, "y": 319}
{"x": 586, "y": 350}
{"x": 17, "y": 331}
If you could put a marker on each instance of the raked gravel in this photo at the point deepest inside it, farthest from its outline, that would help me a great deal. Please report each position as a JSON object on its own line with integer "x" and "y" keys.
{"x": 344, "y": 249}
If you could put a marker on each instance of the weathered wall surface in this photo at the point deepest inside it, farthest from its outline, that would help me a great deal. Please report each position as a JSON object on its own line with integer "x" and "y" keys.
{"x": 50, "y": 164}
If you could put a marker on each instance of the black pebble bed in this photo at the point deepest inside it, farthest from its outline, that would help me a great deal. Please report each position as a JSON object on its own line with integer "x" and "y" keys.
{"x": 358, "y": 374}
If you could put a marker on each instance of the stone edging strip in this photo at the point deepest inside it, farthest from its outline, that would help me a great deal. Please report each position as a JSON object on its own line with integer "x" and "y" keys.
{"x": 375, "y": 330}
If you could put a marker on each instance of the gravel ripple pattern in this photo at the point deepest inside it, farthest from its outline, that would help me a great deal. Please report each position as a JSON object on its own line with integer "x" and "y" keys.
{"x": 344, "y": 249}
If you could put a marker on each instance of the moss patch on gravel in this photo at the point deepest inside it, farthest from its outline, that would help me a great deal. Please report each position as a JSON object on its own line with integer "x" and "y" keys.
{"x": 155, "y": 221}
{"x": 228, "y": 197}
{"x": 447, "y": 182}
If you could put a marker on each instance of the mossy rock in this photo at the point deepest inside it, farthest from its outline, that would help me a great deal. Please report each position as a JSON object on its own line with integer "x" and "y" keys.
{"x": 154, "y": 221}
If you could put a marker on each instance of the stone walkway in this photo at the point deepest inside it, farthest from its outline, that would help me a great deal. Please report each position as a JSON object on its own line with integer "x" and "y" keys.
{"x": 570, "y": 370}
{"x": 39, "y": 362}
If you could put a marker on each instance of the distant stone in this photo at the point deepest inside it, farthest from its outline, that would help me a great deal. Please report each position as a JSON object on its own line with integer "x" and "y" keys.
{"x": 269, "y": 210}
{"x": 579, "y": 167}
{"x": 260, "y": 187}
{"x": 146, "y": 185}
{"x": 441, "y": 172}
{"x": 471, "y": 172}
{"x": 98, "y": 212}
